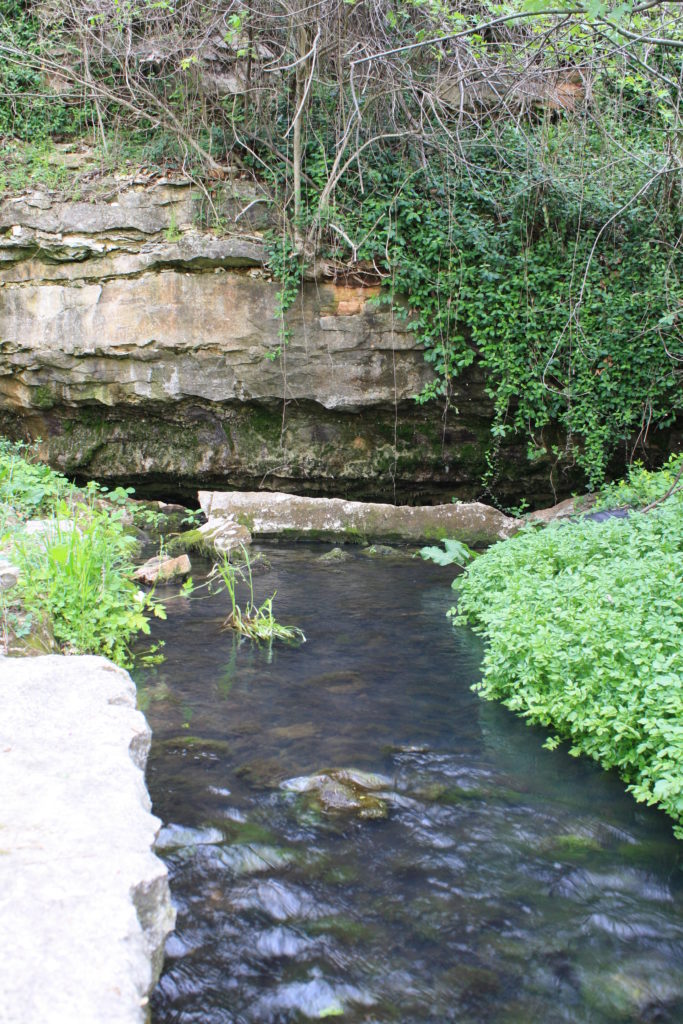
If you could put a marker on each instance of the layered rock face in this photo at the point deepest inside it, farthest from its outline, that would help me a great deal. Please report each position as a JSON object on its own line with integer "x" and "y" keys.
{"x": 142, "y": 347}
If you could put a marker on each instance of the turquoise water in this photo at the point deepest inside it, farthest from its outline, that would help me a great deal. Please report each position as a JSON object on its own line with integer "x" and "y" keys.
{"x": 507, "y": 884}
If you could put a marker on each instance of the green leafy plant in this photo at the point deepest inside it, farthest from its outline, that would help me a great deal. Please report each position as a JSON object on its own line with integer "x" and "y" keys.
{"x": 642, "y": 487}
{"x": 76, "y": 560}
{"x": 79, "y": 572}
{"x": 583, "y": 622}
{"x": 286, "y": 266}
{"x": 27, "y": 487}
{"x": 173, "y": 232}
{"x": 454, "y": 552}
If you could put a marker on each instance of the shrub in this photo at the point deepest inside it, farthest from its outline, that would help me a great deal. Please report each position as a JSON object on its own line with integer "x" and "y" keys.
{"x": 77, "y": 569}
{"x": 584, "y": 623}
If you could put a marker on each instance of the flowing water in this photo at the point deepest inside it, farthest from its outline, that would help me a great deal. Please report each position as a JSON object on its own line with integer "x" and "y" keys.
{"x": 507, "y": 884}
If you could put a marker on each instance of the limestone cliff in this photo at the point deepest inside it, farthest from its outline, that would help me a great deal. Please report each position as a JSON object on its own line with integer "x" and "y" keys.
{"x": 141, "y": 347}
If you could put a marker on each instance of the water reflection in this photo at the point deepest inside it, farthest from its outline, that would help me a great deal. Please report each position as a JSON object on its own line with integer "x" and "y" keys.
{"x": 507, "y": 885}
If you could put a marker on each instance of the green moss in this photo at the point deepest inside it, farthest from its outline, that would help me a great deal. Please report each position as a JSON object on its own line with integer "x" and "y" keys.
{"x": 573, "y": 846}
{"x": 245, "y": 519}
{"x": 42, "y": 397}
{"x": 348, "y": 535}
{"x": 198, "y": 743}
{"x": 191, "y": 540}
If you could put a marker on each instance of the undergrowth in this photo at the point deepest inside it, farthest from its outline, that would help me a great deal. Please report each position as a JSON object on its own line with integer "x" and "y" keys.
{"x": 583, "y": 622}
{"x": 76, "y": 562}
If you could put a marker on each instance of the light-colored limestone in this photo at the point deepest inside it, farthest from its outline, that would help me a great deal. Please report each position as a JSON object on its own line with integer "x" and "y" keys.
{"x": 127, "y": 301}
{"x": 84, "y": 903}
{"x": 139, "y": 341}
{"x": 162, "y": 569}
{"x": 273, "y": 514}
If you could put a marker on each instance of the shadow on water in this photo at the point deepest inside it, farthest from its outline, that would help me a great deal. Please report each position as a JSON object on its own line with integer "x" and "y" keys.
{"x": 507, "y": 884}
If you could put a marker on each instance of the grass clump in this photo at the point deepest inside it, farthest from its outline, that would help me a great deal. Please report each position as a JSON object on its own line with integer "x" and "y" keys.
{"x": 75, "y": 553}
{"x": 257, "y": 622}
{"x": 584, "y": 623}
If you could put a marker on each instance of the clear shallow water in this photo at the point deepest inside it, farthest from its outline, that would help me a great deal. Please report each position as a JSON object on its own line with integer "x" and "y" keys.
{"x": 508, "y": 885}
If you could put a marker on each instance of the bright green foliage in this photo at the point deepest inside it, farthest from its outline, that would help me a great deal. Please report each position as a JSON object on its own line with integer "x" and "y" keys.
{"x": 78, "y": 570}
{"x": 81, "y": 577}
{"x": 641, "y": 487}
{"x": 573, "y": 325}
{"x": 29, "y": 109}
{"x": 584, "y": 624}
{"x": 27, "y": 488}
{"x": 454, "y": 552}
{"x": 565, "y": 288}
{"x": 285, "y": 264}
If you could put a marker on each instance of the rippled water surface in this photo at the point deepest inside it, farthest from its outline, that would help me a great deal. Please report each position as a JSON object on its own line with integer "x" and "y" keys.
{"x": 508, "y": 884}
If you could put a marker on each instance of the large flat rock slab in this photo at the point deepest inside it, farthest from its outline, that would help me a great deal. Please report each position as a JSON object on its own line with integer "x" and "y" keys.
{"x": 274, "y": 514}
{"x": 84, "y": 903}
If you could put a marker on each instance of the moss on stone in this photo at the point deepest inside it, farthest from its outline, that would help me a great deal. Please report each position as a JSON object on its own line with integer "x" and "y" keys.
{"x": 191, "y": 540}
{"x": 244, "y": 519}
{"x": 42, "y": 397}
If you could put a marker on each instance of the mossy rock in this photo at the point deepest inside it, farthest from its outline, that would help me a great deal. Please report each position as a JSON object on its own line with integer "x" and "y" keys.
{"x": 30, "y": 635}
{"x": 345, "y": 791}
{"x": 335, "y": 555}
{"x": 196, "y": 744}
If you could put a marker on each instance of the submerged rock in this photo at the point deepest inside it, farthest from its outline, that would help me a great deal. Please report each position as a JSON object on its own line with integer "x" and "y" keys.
{"x": 379, "y": 551}
{"x": 334, "y": 555}
{"x": 180, "y": 837}
{"x": 344, "y": 791}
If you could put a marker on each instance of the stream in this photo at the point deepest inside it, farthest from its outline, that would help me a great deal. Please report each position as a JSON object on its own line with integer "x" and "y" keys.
{"x": 506, "y": 884}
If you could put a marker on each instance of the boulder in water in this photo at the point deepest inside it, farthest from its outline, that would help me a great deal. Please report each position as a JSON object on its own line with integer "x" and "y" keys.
{"x": 334, "y": 555}
{"x": 344, "y": 791}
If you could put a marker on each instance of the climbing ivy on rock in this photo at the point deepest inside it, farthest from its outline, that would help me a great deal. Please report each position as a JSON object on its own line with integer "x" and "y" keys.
{"x": 576, "y": 324}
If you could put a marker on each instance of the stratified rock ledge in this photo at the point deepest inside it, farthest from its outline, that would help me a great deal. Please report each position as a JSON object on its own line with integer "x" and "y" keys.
{"x": 278, "y": 515}
{"x": 84, "y": 903}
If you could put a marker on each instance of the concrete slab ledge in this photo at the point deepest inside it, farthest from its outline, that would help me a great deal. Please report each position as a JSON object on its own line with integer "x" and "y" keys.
{"x": 84, "y": 903}
{"x": 272, "y": 514}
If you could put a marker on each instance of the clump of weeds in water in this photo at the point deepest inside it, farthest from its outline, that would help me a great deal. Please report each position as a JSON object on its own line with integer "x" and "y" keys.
{"x": 255, "y": 621}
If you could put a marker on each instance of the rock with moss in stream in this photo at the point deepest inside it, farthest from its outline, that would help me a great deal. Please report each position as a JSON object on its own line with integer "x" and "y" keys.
{"x": 334, "y": 555}
{"x": 215, "y": 537}
{"x": 344, "y": 791}
{"x": 380, "y": 551}
{"x": 276, "y": 515}
{"x": 163, "y": 569}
